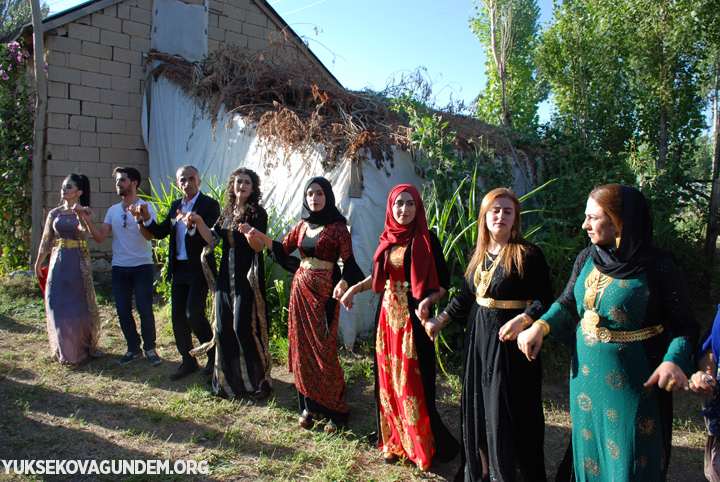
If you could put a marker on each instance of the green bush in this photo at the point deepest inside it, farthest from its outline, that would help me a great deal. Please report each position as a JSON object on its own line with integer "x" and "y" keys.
{"x": 17, "y": 114}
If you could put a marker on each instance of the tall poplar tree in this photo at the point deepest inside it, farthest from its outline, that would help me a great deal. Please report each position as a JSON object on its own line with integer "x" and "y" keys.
{"x": 508, "y": 30}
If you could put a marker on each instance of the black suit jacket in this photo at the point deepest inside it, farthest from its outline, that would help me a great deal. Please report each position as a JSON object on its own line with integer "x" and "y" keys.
{"x": 209, "y": 210}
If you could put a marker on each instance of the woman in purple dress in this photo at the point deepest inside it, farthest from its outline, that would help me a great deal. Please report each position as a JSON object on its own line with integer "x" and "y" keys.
{"x": 73, "y": 321}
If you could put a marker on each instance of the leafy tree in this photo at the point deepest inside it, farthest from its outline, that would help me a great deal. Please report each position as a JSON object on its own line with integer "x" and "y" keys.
{"x": 626, "y": 70}
{"x": 583, "y": 63}
{"x": 508, "y": 29}
{"x": 13, "y": 15}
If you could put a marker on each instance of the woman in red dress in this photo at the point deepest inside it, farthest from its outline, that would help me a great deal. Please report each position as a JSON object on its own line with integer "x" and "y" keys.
{"x": 410, "y": 271}
{"x": 322, "y": 239}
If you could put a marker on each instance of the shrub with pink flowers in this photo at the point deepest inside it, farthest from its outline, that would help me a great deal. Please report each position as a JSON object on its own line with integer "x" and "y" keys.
{"x": 17, "y": 114}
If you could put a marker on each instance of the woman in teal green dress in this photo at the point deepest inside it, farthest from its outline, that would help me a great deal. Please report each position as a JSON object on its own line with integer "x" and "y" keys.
{"x": 632, "y": 346}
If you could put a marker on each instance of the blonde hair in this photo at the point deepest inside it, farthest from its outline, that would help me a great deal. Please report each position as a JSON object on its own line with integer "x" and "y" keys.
{"x": 513, "y": 252}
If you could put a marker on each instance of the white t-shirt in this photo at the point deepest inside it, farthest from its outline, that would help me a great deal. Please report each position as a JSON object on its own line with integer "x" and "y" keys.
{"x": 130, "y": 248}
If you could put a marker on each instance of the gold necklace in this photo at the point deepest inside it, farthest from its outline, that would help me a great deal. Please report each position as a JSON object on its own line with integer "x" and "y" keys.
{"x": 595, "y": 284}
{"x": 484, "y": 276}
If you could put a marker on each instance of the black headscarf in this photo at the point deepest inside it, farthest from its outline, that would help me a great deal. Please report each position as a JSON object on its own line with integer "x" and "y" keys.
{"x": 636, "y": 253}
{"x": 327, "y": 215}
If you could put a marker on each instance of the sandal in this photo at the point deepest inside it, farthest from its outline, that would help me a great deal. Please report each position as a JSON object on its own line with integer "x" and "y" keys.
{"x": 262, "y": 392}
{"x": 390, "y": 458}
{"x": 305, "y": 419}
{"x": 331, "y": 427}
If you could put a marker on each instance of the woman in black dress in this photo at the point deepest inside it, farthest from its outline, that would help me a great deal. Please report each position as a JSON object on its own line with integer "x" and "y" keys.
{"x": 506, "y": 287}
{"x": 242, "y": 360}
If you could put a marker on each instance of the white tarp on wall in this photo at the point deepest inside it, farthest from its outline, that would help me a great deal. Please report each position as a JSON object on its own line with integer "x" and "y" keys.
{"x": 177, "y": 133}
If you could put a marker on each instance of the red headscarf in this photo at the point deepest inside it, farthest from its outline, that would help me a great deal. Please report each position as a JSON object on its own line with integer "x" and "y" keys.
{"x": 423, "y": 275}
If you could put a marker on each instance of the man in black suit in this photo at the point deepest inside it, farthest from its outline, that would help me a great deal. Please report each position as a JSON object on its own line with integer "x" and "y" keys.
{"x": 189, "y": 286}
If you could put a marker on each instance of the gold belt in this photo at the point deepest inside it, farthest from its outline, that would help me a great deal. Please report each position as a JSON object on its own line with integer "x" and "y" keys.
{"x": 503, "y": 304}
{"x": 314, "y": 263}
{"x": 70, "y": 243}
{"x": 590, "y": 328}
{"x": 400, "y": 286}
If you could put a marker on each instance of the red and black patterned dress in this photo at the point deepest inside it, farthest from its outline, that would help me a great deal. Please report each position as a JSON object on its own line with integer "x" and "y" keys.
{"x": 313, "y": 318}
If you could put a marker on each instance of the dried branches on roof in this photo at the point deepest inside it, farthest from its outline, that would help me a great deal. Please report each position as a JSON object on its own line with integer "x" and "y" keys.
{"x": 296, "y": 105}
{"x": 293, "y": 103}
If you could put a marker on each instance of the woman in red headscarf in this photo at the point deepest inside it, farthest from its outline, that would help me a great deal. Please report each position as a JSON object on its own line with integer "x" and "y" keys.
{"x": 410, "y": 271}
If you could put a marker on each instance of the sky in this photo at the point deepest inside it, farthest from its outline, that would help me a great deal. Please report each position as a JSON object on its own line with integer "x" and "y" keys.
{"x": 366, "y": 43}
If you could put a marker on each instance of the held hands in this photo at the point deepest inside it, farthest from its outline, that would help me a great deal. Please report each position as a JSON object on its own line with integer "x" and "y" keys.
{"x": 80, "y": 210}
{"x": 510, "y": 330}
{"x": 84, "y": 211}
{"x": 347, "y": 299}
{"x": 530, "y": 341}
{"x": 140, "y": 212}
{"x": 423, "y": 309}
{"x": 340, "y": 289}
{"x": 669, "y": 377}
{"x": 190, "y": 219}
{"x": 702, "y": 382}
{"x": 432, "y": 327}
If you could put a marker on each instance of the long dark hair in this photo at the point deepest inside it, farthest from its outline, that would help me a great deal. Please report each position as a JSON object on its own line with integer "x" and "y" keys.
{"x": 81, "y": 182}
{"x": 250, "y": 208}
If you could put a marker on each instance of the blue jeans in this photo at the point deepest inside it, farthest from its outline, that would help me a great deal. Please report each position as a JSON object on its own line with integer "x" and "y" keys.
{"x": 124, "y": 280}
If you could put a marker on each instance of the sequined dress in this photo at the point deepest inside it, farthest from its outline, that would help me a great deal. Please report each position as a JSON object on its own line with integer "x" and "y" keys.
{"x": 621, "y": 430}
{"x": 404, "y": 420}
{"x": 408, "y": 420}
{"x": 73, "y": 320}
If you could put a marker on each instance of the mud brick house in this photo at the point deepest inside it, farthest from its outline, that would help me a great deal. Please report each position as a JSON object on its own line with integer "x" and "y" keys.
{"x": 96, "y": 56}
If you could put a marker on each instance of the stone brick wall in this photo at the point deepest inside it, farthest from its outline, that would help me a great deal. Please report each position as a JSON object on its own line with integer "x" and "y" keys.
{"x": 95, "y": 84}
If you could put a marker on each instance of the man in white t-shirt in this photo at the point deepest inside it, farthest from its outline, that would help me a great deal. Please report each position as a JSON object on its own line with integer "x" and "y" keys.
{"x": 132, "y": 266}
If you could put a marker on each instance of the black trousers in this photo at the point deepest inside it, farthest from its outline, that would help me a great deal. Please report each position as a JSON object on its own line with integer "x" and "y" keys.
{"x": 189, "y": 294}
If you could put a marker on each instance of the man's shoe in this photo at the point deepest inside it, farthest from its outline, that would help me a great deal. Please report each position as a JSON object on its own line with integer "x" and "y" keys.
{"x": 129, "y": 357}
{"x": 152, "y": 357}
{"x": 185, "y": 369}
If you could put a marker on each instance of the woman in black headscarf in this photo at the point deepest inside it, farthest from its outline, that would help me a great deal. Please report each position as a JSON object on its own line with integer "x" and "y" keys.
{"x": 632, "y": 348}
{"x": 322, "y": 239}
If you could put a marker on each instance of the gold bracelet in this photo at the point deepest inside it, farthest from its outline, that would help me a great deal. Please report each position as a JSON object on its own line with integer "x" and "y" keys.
{"x": 362, "y": 286}
{"x": 344, "y": 284}
{"x": 544, "y": 325}
{"x": 443, "y": 320}
{"x": 526, "y": 320}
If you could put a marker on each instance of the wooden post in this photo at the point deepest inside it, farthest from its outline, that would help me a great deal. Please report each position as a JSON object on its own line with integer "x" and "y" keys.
{"x": 39, "y": 135}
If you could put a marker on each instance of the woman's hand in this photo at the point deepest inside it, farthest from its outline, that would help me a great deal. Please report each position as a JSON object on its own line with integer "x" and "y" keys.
{"x": 79, "y": 209}
{"x": 510, "y": 330}
{"x": 669, "y": 377}
{"x": 432, "y": 327}
{"x": 423, "y": 309}
{"x": 702, "y": 382}
{"x": 85, "y": 212}
{"x": 340, "y": 289}
{"x": 347, "y": 299}
{"x": 530, "y": 341}
{"x": 38, "y": 267}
